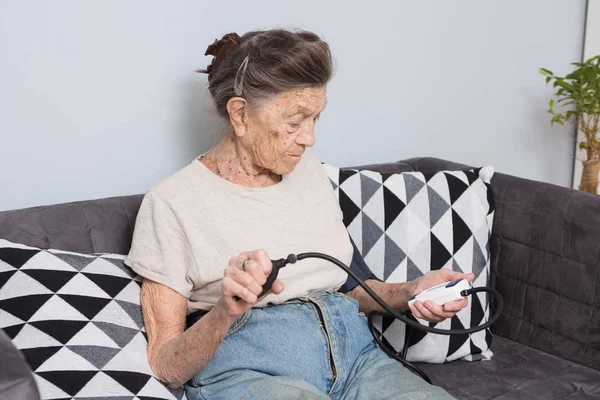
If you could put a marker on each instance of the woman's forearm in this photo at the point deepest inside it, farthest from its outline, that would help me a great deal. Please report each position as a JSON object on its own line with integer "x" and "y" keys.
{"x": 182, "y": 357}
{"x": 394, "y": 294}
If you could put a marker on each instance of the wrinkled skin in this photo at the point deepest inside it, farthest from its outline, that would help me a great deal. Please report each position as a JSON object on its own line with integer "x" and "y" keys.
{"x": 267, "y": 141}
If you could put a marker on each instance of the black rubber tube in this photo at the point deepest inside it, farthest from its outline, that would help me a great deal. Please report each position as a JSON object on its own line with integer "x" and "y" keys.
{"x": 391, "y": 312}
{"x": 395, "y": 314}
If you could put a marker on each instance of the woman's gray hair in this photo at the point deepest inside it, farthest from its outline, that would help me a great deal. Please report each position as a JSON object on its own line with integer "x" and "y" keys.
{"x": 261, "y": 64}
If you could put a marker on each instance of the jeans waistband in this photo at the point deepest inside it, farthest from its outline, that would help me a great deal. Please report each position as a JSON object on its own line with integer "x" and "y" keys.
{"x": 192, "y": 318}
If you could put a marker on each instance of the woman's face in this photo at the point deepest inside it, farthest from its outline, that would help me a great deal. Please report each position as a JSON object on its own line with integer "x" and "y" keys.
{"x": 281, "y": 129}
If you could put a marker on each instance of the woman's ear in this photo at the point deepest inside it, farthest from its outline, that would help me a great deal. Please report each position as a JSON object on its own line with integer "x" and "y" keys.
{"x": 237, "y": 109}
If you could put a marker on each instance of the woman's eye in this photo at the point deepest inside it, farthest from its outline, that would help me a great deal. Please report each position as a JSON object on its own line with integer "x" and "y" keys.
{"x": 293, "y": 126}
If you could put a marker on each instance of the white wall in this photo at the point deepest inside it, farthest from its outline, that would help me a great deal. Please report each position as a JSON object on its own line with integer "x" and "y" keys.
{"x": 99, "y": 98}
{"x": 591, "y": 49}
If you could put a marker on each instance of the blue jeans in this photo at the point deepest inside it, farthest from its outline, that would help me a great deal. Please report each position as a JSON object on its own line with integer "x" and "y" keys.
{"x": 317, "y": 347}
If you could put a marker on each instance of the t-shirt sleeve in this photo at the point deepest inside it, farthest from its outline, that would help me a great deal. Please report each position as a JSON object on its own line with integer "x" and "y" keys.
{"x": 160, "y": 250}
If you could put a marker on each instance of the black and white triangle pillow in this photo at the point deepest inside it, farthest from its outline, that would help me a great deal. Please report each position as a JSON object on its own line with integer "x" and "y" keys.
{"x": 406, "y": 224}
{"x": 78, "y": 321}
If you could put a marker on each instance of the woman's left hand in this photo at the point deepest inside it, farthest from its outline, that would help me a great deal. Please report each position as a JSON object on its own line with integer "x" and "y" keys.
{"x": 430, "y": 311}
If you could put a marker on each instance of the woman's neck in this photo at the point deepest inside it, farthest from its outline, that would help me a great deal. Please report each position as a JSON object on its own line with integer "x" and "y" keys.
{"x": 232, "y": 162}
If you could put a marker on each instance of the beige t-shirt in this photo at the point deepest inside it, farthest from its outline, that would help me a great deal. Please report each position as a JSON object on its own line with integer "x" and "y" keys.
{"x": 192, "y": 223}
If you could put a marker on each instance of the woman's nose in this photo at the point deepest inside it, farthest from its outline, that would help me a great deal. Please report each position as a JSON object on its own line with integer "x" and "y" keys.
{"x": 307, "y": 136}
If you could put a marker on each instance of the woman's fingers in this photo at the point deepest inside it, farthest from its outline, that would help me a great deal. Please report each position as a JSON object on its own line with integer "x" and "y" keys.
{"x": 246, "y": 274}
{"x": 244, "y": 278}
{"x": 455, "y": 306}
{"x": 259, "y": 265}
{"x": 429, "y": 311}
{"x": 420, "y": 311}
{"x": 251, "y": 269}
{"x": 255, "y": 270}
{"x": 415, "y": 311}
{"x": 437, "y": 310}
{"x": 263, "y": 259}
{"x": 247, "y": 280}
{"x": 233, "y": 288}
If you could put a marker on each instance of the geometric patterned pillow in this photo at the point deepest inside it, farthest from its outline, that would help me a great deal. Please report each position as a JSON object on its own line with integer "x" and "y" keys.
{"x": 409, "y": 223}
{"x": 77, "y": 320}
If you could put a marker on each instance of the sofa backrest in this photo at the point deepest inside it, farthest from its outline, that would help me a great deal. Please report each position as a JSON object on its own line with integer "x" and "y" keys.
{"x": 94, "y": 226}
{"x": 545, "y": 253}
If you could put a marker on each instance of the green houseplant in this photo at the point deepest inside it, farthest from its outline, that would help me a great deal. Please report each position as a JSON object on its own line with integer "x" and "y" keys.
{"x": 578, "y": 95}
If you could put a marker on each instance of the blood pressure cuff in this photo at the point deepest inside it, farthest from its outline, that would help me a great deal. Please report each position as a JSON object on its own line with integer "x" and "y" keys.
{"x": 360, "y": 268}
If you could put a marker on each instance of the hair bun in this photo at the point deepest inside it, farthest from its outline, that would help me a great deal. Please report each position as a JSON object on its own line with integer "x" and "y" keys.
{"x": 219, "y": 49}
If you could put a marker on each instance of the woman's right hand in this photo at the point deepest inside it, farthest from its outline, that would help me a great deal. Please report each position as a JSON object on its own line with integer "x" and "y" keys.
{"x": 245, "y": 281}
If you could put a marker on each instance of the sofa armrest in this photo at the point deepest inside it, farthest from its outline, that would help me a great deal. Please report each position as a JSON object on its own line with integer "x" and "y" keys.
{"x": 16, "y": 380}
{"x": 545, "y": 263}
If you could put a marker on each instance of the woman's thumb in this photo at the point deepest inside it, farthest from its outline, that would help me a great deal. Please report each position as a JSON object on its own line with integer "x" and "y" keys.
{"x": 454, "y": 275}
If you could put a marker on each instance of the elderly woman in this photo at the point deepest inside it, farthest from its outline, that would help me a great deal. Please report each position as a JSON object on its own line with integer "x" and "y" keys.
{"x": 258, "y": 189}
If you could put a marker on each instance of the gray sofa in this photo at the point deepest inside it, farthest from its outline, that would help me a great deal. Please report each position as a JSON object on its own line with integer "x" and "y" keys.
{"x": 545, "y": 263}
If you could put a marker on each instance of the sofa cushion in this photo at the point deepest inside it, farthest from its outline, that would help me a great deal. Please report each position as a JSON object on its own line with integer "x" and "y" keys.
{"x": 77, "y": 319}
{"x": 516, "y": 372}
{"x": 410, "y": 223}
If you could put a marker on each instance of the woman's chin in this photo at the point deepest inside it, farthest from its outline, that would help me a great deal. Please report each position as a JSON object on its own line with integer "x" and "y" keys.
{"x": 288, "y": 165}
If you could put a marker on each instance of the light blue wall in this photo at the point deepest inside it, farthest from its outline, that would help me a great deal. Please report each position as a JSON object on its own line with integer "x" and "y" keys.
{"x": 99, "y": 98}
